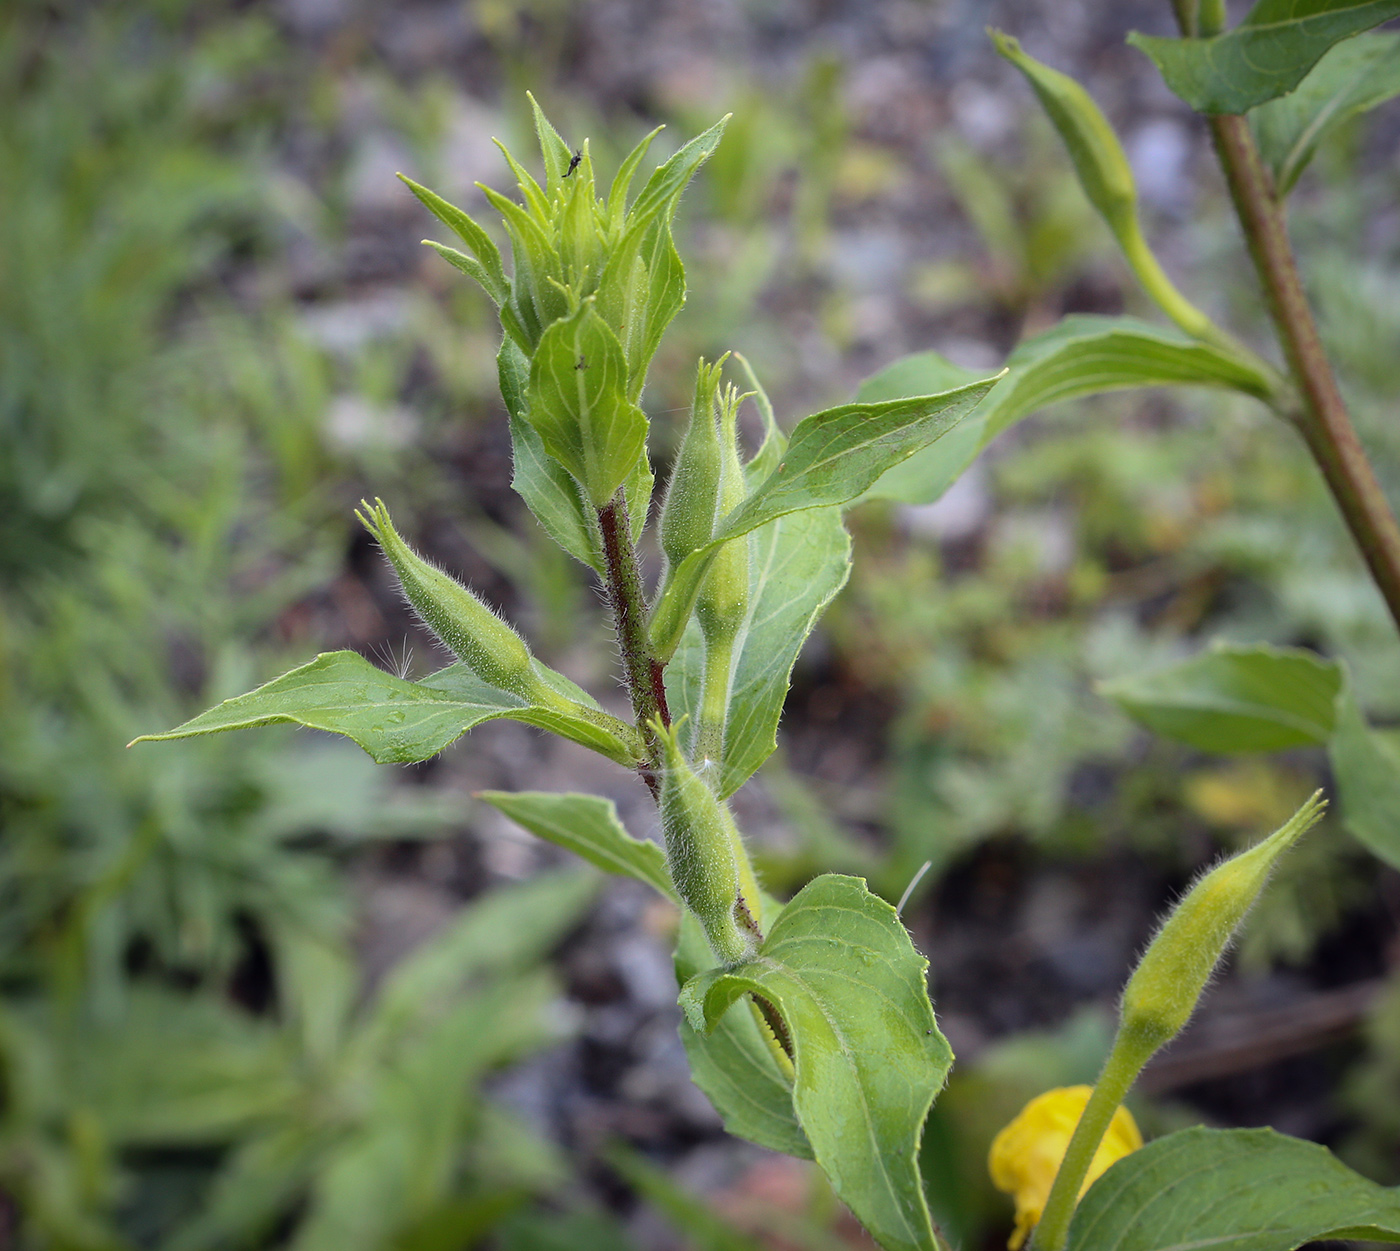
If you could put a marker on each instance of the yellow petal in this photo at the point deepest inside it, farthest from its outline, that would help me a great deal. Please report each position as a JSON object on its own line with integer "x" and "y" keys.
{"x": 1026, "y": 1155}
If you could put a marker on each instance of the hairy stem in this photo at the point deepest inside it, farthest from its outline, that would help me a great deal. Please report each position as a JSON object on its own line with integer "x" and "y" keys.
{"x": 1120, "y": 1070}
{"x": 1319, "y": 412}
{"x": 641, "y": 670}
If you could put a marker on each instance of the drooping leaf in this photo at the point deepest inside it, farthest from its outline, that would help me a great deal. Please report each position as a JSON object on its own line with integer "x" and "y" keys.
{"x": 840, "y": 970}
{"x": 1367, "y": 772}
{"x": 1353, "y": 77}
{"x": 1266, "y": 56}
{"x": 588, "y": 826}
{"x": 400, "y": 722}
{"x": 734, "y": 1064}
{"x": 1231, "y": 1190}
{"x": 578, "y": 403}
{"x": 1080, "y": 356}
{"x": 796, "y": 567}
{"x": 831, "y": 457}
{"x": 1232, "y": 699}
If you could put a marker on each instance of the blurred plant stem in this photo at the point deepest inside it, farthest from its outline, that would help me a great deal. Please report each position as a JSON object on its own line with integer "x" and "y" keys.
{"x": 1318, "y": 412}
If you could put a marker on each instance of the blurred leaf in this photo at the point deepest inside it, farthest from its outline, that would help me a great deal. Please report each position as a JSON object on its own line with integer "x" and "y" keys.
{"x": 1233, "y": 699}
{"x": 1353, "y": 77}
{"x": 1266, "y": 56}
{"x": 588, "y": 826}
{"x": 1236, "y": 1189}
{"x": 395, "y": 721}
{"x": 796, "y": 567}
{"x": 505, "y": 932}
{"x": 733, "y": 1063}
{"x": 1081, "y": 355}
{"x": 842, "y": 973}
{"x": 690, "y": 1216}
{"x": 1367, "y": 769}
{"x": 831, "y": 457}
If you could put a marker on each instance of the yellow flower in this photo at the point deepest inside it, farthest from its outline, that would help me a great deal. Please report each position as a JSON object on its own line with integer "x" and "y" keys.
{"x": 1026, "y": 1155}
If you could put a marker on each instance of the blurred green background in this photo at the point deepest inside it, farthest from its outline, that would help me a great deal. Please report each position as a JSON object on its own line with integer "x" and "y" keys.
{"x": 256, "y": 992}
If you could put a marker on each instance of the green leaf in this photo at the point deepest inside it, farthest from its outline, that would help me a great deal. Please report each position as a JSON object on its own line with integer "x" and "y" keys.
{"x": 557, "y": 154}
{"x": 1080, "y": 356}
{"x": 1233, "y": 699}
{"x": 486, "y": 267}
{"x": 668, "y": 180}
{"x": 1351, "y": 78}
{"x": 796, "y": 567}
{"x": 831, "y": 457}
{"x": 697, "y": 1219}
{"x": 839, "y": 968}
{"x": 1367, "y": 772}
{"x": 1231, "y": 1190}
{"x": 548, "y": 489}
{"x": 399, "y": 722}
{"x": 578, "y": 403}
{"x": 588, "y": 826}
{"x": 733, "y": 1063}
{"x": 1265, "y": 56}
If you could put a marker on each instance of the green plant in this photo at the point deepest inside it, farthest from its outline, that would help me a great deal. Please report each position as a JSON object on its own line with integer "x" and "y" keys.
{"x": 834, "y": 1052}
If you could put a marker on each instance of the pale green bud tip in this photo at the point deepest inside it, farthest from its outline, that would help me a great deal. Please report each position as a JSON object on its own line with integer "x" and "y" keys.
{"x": 1163, "y": 991}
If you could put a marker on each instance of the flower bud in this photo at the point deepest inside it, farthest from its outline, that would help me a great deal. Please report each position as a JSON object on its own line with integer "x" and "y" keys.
{"x": 1026, "y": 1155}
{"x": 706, "y": 860}
{"x": 1163, "y": 990}
{"x": 479, "y": 638}
{"x": 724, "y": 595}
{"x": 689, "y": 513}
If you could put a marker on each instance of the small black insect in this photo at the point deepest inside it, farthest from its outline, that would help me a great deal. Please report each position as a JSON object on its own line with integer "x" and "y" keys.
{"x": 582, "y": 362}
{"x": 573, "y": 163}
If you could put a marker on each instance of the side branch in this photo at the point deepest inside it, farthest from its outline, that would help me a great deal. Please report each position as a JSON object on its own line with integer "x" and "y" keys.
{"x": 1320, "y": 413}
{"x": 642, "y": 672}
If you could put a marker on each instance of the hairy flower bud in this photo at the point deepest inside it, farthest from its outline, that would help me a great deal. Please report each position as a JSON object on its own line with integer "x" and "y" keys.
{"x": 1163, "y": 990}
{"x": 706, "y": 860}
{"x": 689, "y": 512}
{"x": 479, "y": 638}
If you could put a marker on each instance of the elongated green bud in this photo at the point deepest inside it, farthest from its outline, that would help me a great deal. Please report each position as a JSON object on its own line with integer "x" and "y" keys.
{"x": 1162, "y": 992}
{"x": 1105, "y": 175}
{"x": 723, "y": 602}
{"x": 479, "y": 638}
{"x": 704, "y": 855}
{"x": 688, "y": 515}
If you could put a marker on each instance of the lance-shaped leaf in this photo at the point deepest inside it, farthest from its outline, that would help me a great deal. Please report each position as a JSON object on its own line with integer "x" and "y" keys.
{"x": 840, "y": 970}
{"x": 588, "y": 826}
{"x": 1353, "y": 77}
{"x": 578, "y": 403}
{"x": 734, "y": 1063}
{"x": 1231, "y": 1190}
{"x": 1082, "y": 355}
{"x": 796, "y": 567}
{"x": 485, "y": 263}
{"x": 400, "y": 722}
{"x": 1266, "y": 56}
{"x": 831, "y": 457}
